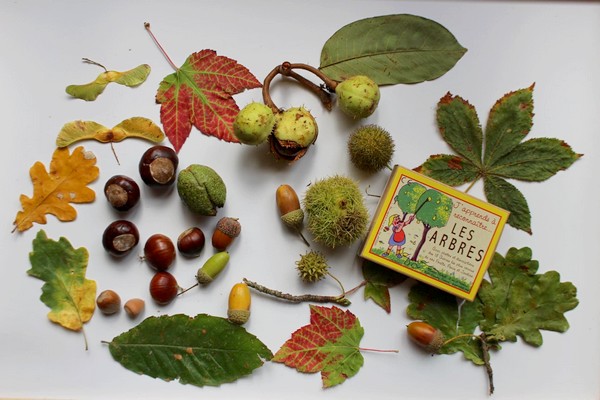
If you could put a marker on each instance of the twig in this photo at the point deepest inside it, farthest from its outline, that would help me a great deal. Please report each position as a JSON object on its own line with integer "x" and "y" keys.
{"x": 341, "y": 300}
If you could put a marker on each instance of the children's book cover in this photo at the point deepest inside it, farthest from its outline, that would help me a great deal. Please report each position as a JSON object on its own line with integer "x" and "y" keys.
{"x": 434, "y": 233}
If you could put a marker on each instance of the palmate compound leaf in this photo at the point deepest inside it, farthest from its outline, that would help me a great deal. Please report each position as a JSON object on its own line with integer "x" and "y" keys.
{"x": 203, "y": 350}
{"x": 53, "y": 191}
{"x": 505, "y": 156}
{"x": 66, "y": 291}
{"x": 138, "y": 127}
{"x": 200, "y": 93}
{"x": 90, "y": 91}
{"x": 329, "y": 344}
{"x": 391, "y": 49}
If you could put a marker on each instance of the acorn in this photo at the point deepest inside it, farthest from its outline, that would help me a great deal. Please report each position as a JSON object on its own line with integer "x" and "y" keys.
{"x": 212, "y": 268}
{"x": 225, "y": 232}
{"x": 358, "y": 96}
{"x": 289, "y": 209}
{"x": 238, "y": 310}
{"x": 371, "y": 148}
{"x": 426, "y": 336}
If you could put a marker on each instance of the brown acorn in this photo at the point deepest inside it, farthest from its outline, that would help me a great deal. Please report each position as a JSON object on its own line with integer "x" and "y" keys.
{"x": 226, "y": 230}
{"x": 289, "y": 209}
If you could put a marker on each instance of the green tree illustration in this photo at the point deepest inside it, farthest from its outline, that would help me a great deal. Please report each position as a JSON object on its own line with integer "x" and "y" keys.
{"x": 433, "y": 210}
{"x": 408, "y": 197}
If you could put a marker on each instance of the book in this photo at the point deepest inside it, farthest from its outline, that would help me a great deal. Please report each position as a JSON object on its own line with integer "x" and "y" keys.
{"x": 434, "y": 233}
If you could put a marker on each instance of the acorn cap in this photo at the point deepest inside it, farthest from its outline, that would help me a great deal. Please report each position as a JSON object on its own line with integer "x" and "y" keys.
{"x": 294, "y": 219}
{"x": 238, "y": 317}
{"x": 229, "y": 226}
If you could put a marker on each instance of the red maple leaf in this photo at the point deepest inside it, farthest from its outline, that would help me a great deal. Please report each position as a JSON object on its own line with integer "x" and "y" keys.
{"x": 199, "y": 93}
{"x": 328, "y": 344}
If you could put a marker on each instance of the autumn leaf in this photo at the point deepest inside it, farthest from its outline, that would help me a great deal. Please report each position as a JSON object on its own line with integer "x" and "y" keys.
{"x": 137, "y": 127}
{"x": 499, "y": 154}
{"x": 66, "y": 291}
{"x": 378, "y": 280}
{"x": 200, "y": 93}
{"x": 202, "y": 350}
{"x": 53, "y": 191}
{"x": 329, "y": 344}
{"x": 90, "y": 91}
{"x": 391, "y": 49}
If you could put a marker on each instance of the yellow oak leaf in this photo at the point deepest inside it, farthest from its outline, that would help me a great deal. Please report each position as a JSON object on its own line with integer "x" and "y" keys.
{"x": 65, "y": 182}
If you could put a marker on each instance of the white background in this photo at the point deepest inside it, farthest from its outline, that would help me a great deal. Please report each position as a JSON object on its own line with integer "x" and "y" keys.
{"x": 511, "y": 45}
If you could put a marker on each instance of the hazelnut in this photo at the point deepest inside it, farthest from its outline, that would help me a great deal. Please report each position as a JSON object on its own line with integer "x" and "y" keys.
{"x": 108, "y": 302}
{"x": 134, "y": 307}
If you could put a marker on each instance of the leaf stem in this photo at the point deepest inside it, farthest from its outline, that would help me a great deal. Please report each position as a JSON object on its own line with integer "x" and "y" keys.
{"x": 378, "y": 350}
{"x": 88, "y": 61}
{"x": 338, "y": 281}
{"x": 84, "y": 338}
{"x": 147, "y": 26}
{"x": 341, "y": 300}
{"x": 471, "y": 185}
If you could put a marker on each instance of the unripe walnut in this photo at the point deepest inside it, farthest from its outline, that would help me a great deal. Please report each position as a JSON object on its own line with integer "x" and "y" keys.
{"x": 358, "y": 96}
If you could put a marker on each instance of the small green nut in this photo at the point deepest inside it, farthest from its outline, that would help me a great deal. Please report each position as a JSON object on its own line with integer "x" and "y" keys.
{"x": 296, "y": 125}
{"x": 358, "y": 96}
{"x": 212, "y": 267}
{"x": 201, "y": 189}
{"x": 254, "y": 123}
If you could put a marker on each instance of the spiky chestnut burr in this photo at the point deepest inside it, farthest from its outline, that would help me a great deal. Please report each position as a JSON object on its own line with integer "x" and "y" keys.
{"x": 371, "y": 148}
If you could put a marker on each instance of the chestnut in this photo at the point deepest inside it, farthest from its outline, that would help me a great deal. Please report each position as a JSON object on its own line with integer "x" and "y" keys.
{"x": 163, "y": 287}
{"x": 159, "y": 252}
{"x": 158, "y": 166}
{"x": 120, "y": 237}
{"x": 191, "y": 242}
{"x": 122, "y": 192}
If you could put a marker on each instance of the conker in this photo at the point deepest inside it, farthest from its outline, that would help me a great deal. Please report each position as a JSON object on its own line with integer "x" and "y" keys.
{"x": 120, "y": 237}
{"x": 159, "y": 252}
{"x": 163, "y": 287}
{"x": 122, "y": 192}
{"x": 191, "y": 242}
{"x": 158, "y": 166}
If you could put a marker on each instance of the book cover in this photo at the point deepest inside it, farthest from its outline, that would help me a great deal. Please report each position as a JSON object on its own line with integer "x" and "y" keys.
{"x": 434, "y": 233}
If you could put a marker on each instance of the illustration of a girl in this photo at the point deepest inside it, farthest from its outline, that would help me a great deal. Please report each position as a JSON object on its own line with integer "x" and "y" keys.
{"x": 397, "y": 238}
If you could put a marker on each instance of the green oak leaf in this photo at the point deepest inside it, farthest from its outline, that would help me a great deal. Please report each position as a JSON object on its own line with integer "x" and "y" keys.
{"x": 519, "y": 302}
{"x": 378, "y": 280}
{"x": 506, "y": 156}
{"x": 391, "y": 49}
{"x": 201, "y": 350}
{"x": 329, "y": 344}
{"x": 70, "y": 296}
{"x": 452, "y": 316}
{"x": 90, "y": 91}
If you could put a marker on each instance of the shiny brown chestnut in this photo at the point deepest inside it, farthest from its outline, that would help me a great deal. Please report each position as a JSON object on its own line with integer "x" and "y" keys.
{"x": 120, "y": 237}
{"x": 122, "y": 192}
{"x": 163, "y": 287}
{"x": 159, "y": 252}
{"x": 158, "y": 166}
{"x": 191, "y": 242}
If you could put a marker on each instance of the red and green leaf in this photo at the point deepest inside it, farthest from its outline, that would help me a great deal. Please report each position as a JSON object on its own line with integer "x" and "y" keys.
{"x": 329, "y": 344}
{"x": 200, "y": 94}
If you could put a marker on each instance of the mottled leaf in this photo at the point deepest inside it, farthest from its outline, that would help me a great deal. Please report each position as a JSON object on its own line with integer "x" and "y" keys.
{"x": 138, "y": 127}
{"x": 329, "y": 344}
{"x": 505, "y": 156}
{"x": 391, "y": 49}
{"x": 378, "y": 281}
{"x": 452, "y": 316}
{"x": 90, "y": 91}
{"x": 519, "y": 302}
{"x": 200, "y": 93}
{"x": 202, "y": 350}
{"x": 53, "y": 191}
{"x": 66, "y": 291}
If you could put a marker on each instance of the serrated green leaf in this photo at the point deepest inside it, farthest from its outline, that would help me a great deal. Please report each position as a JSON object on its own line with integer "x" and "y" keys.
{"x": 451, "y": 169}
{"x": 519, "y": 302}
{"x": 509, "y": 121}
{"x": 202, "y": 350}
{"x": 378, "y": 281}
{"x": 451, "y": 316}
{"x": 70, "y": 296}
{"x": 460, "y": 127}
{"x": 535, "y": 160}
{"x": 505, "y": 195}
{"x": 391, "y": 49}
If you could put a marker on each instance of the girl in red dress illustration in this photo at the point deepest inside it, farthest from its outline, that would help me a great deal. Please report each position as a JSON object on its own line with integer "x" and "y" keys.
{"x": 398, "y": 237}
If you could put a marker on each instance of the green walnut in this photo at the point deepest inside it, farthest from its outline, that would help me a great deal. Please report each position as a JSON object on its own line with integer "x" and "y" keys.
{"x": 201, "y": 189}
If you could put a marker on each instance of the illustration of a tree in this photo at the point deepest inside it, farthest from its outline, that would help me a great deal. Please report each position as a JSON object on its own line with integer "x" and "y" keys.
{"x": 408, "y": 197}
{"x": 433, "y": 210}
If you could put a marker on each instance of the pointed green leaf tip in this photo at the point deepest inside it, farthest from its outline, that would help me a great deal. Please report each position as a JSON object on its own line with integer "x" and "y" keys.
{"x": 90, "y": 91}
{"x": 202, "y": 350}
{"x": 506, "y": 156}
{"x": 391, "y": 49}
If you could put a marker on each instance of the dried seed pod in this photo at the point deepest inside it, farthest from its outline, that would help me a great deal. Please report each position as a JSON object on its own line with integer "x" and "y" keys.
{"x": 226, "y": 230}
{"x": 238, "y": 311}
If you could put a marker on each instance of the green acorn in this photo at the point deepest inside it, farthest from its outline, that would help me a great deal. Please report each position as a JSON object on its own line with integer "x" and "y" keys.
{"x": 358, "y": 96}
{"x": 312, "y": 266}
{"x": 371, "y": 148}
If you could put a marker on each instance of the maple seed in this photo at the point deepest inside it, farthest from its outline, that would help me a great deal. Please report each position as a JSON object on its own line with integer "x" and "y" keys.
{"x": 158, "y": 166}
